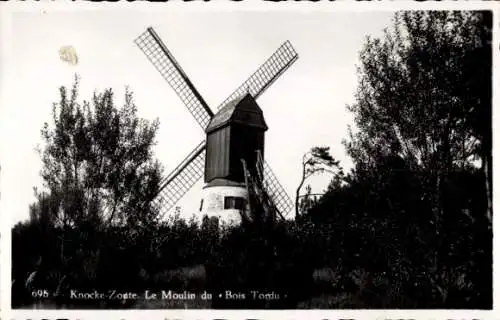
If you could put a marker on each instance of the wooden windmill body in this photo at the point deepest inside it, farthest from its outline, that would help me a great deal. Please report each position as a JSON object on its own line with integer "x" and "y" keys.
{"x": 234, "y": 135}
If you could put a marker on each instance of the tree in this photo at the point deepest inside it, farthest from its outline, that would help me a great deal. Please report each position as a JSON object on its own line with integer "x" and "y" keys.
{"x": 422, "y": 91}
{"x": 98, "y": 165}
{"x": 317, "y": 160}
{"x": 99, "y": 180}
{"x": 420, "y": 152}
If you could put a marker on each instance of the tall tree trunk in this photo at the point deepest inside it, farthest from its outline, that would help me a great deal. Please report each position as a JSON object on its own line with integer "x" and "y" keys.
{"x": 297, "y": 192}
{"x": 487, "y": 166}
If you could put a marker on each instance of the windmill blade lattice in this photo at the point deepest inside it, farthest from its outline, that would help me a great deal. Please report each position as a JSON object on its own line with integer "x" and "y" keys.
{"x": 267, "y": 73}
{"x": 163, "y": 60}
{"x": 180, "y": 180}
{"x": 191, "y": 169}
{"x": 281, "y": 199}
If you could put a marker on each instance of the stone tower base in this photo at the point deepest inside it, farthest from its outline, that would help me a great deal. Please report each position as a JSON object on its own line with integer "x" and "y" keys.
{"x": 224, "y": 199}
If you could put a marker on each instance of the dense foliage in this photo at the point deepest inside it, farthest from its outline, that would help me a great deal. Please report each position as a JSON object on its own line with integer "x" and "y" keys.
{"x": 415, "y": 212}
{"x": 408, "y": 227}
{"x": 97, "y": 163}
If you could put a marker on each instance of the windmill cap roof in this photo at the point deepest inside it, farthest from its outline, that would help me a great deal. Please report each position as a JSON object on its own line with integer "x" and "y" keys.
{"x": 243, "y": 109}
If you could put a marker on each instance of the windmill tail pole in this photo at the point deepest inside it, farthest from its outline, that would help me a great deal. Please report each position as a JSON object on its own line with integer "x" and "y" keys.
{"x": 247, "y": 185}
{"x": 257, "y": 204}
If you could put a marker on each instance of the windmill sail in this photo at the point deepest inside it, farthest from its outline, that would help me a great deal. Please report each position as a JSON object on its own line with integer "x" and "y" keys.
{"x": 280, "y": 198}
{"x": 180, "y": 180}
{"x": 268, "y": 72}
{"x": 163, "y": 60}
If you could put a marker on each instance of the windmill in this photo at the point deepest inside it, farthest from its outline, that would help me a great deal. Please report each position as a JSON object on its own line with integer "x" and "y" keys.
{"x": 235, "y": 132}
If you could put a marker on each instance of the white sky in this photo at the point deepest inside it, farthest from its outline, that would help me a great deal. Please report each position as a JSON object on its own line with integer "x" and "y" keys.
{"x": 217, "y": 49}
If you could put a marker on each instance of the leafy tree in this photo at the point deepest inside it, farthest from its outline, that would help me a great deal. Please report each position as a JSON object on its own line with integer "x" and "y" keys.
{"x": 416, "y": 208}
{"x": 98, "y": 166}
{"x": 317, "y": 160}
{"x": 99, "y": 178}
{"x": 425, "y": 96}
